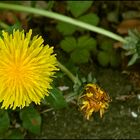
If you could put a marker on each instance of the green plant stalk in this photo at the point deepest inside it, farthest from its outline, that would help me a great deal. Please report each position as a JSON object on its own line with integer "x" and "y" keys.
{"x": 69, "y": 74}
{"x": 62, "y": 18}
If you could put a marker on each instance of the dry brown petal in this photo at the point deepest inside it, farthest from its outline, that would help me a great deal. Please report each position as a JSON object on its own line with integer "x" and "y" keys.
{"x": 125, "y": 25}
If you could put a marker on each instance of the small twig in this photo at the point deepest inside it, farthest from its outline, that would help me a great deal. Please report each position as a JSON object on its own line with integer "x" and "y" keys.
{"x": 47, "y": 110}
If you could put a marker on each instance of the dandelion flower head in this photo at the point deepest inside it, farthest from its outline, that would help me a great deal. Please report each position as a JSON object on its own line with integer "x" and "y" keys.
{"x": 93, "y": 100}
{"x": 26, "y": 69}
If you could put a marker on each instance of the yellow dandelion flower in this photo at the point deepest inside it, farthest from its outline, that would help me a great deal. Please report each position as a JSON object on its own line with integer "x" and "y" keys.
{"x": 26, "y": 69}
{"x": 94, "y": 100}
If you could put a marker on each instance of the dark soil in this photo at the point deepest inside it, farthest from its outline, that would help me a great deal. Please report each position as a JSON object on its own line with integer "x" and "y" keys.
{"x": 118, "y": 122}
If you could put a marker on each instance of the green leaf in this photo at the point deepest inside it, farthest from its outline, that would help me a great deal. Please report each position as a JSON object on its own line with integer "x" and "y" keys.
{"x": 86, "y": 42}
{"x": 56, "y": 99}
{"x": 16, "y": 26}
{"x": 107, "y": 45}
{"x": 77, "y": 8}
{"x": 114, "y": 59}
{"x": 113, "y": 16}
{"x": 65, "y": 28}
{"x": 90, "y": 18}
{"x": 15, "y": 134}
{"x": 80, "y": 56}
{"x": 50, "y": 5}
{"x": 4, "y": 121}
{"x": 31, "y": 119}
{"x": 133, "y": 59}
{"x": 10, "y": 29}
{"x": 33, "y": 3}
{"x": 103, "y": 58}
{"x": 68, "y": 44}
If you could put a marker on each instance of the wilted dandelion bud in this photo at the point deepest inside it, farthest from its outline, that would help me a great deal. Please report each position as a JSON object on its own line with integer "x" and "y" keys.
{"x": 93, "y": 100}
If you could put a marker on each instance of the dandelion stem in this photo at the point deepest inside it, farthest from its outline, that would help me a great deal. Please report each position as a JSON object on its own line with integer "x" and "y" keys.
{"x": 69, "y": 74}
{"x": 63, "y": 18}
